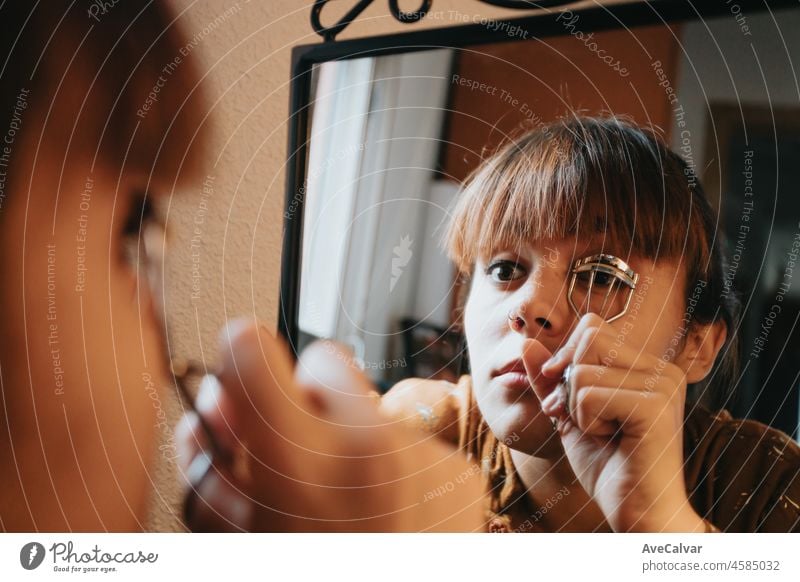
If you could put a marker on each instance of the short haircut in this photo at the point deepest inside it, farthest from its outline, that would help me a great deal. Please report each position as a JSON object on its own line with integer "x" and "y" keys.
{"x": 606, "y": 178}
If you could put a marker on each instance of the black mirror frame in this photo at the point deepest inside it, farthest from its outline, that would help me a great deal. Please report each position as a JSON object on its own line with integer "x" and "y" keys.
{"x": 539, "y": 24}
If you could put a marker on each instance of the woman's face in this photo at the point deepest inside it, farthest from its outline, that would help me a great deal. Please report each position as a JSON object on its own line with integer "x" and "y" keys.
{"x": 82, "y": 367}
{"x": 532, "y": 283}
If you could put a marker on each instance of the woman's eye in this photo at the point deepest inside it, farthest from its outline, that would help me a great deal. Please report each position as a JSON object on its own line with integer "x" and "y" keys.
{"x": 141, "y": 218}
{"x": 505, "y": 271}
{"x": 140, "y": 213}
{"x": 601, "y": 279}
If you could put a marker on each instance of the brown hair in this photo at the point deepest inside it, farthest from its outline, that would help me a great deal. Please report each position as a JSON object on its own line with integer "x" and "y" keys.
{"x": 602, "y": 176}
{"x": 118, "y": 84}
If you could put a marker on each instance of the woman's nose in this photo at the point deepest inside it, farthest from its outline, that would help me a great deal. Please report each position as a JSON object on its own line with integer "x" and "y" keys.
{"x": 540, "y": 305}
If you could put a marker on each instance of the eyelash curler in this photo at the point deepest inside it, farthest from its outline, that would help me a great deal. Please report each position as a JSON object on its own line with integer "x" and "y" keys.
{"x": 602, "y": 284}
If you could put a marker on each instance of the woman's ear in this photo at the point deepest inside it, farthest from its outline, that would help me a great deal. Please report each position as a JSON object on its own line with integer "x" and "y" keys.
{"x": 703, "y": 343}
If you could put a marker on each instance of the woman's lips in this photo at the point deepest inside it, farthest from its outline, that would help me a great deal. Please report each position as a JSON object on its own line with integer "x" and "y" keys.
{"x": 513, "y": 375}
{"x": 514, "y": 380}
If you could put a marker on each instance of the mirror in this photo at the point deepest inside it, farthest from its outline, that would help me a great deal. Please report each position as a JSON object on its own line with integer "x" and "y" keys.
{"x": 391, "y": 138}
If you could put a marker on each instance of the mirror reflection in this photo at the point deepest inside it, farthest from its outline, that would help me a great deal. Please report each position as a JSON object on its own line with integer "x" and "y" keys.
{"x": 394, "y": 139}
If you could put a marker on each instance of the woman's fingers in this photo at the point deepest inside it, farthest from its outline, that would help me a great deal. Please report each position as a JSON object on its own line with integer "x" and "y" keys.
{"x": 254, "y": 413}
{"x": 218, "y": 412}
{"x": 188, "y": 439}
{"x": 327, "y": 374}
{"x": 534, "y": 355}
{"x": 213, "y": 501}
{"x": 598, "y": 407}
{"x": 305, "y": 433}
{"x": 305, "y": 430}
{"x": 321, "y": 457}
{"x": 582, "y": 375}
{"x": 596, "y": 342}
{"x": 256, "y": 372}
{"x": 603, "y": 410}
{"x": 554, "y": 367}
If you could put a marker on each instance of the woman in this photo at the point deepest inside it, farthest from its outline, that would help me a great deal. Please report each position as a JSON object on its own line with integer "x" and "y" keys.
{"x": 101, "y": 117}
{"x": 585, "y": 415}
{"x": 628, "y": 450}
{"x": 79, "y": 344}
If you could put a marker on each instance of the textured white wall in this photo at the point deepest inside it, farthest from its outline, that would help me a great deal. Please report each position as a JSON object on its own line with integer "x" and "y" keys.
{"x": 226, "y": 237}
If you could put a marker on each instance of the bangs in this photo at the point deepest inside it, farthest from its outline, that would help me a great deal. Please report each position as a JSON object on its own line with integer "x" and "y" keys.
{"x": 584, "y": 178}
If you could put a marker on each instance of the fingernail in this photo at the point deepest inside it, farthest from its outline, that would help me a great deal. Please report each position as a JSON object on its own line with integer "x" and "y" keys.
{"x": 550, "y": 402}
{"x": 551, "y": 370}
{"x": 553, "y": 360}
{"x": 208, "y": 394}
{"x": 234, "y": 327}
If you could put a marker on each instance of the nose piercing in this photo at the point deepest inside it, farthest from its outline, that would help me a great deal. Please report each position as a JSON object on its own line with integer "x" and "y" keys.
{"x": 517, "y": 322}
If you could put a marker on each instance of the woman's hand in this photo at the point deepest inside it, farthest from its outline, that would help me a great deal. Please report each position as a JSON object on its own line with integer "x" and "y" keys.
{"x": 622, "y": 428}
{"x": 311, "y": 450}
